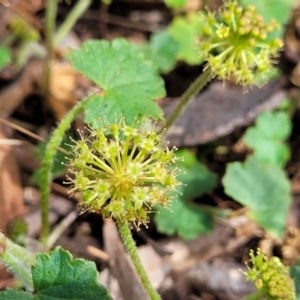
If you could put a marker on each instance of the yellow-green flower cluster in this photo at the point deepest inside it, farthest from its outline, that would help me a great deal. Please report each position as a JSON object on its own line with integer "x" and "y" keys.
{"x": 236, "y": 45}
{"x": 23, "y": 30}
{"x": 271, "y": 277}
{"x": 122, "y": 172}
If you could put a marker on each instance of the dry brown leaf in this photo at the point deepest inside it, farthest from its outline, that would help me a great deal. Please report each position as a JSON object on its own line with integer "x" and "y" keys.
{"x": 62, "y": 87}
{"x": 11, "y": 196}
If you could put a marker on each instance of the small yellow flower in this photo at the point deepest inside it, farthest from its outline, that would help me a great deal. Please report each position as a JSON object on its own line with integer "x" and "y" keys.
{"x": 271, "y": 277}
{"x": 122, "y": 172}
{"x": 236, "y": 45}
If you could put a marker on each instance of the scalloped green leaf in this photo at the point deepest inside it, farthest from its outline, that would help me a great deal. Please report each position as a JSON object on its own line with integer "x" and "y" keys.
{"x": 263, "y": 188}
{"x": 274, "y": 125}
{"x": 129, "y": 84}
{"x": 58, "y": 276}
{"x": 267, "y": 137}
{"x": 10, "y": 294}
{"x": 185, "y": 31}
{"x": 161, "y": 50}
{"x": 187, "y": 220}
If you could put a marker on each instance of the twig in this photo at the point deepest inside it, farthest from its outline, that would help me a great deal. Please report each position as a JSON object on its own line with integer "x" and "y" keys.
{"x": 61, "y": 227}
{"x": 29, "y": 133}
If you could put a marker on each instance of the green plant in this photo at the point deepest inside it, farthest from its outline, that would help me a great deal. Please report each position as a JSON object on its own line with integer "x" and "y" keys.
{"x": 50, "y": 276}
{"x": 266, "y": 188}
{"x": 267, "y": 138}
{"x": 115, "y": 87}
{"x": 265, "y": 191}
{"x": 128, "y": 83}
{"x": 122, "y": 169}
{"x": 236, "y": 45}
{"x": 185, "y": 31}
{"x": 161, "y": 50}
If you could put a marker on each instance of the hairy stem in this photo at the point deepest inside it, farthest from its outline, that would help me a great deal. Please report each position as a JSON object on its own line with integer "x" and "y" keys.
{"x": 49, "y": 155}
{"x": 78, "y": 10}
{"x": 18, "y": 260}
{"x": 131, "y": 249}
{"x": 192, "y": 90}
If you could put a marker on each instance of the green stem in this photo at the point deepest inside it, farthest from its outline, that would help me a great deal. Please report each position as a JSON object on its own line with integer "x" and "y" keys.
{"x": 78, "y": 10}
{"x": 51, "y": 148}
{"x": 50, "y": 26}
{"x": 254, "y": 296}
{"x": 131, "y": 249}
{"x": 192, "y": 90}
{"x": 18, "y": 260}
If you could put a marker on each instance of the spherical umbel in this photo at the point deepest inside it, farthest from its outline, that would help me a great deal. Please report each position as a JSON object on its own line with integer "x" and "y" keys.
{"x": 236, "y": 44}
{"x": 270, "y": 277}
{"x": 122, "y": 172}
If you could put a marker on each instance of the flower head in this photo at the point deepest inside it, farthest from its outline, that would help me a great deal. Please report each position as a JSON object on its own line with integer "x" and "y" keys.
{"x": 236, "y": 45}
{"x": 122, "y": 172}
{"x": 271, "y": 277}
